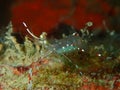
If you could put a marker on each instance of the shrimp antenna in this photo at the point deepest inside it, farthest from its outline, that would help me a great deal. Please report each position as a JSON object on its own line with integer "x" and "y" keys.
{"x": 30, "y": 31}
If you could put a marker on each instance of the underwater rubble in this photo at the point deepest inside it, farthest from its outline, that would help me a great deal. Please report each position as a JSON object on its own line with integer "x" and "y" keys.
{"x": 74, "y": 62}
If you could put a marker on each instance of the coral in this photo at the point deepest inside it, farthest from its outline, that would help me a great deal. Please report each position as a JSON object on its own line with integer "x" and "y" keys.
{"x": 36, "y": 65}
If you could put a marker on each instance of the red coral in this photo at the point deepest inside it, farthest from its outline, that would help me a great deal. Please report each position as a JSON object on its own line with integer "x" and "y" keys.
{"x": 44, "y": 15}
